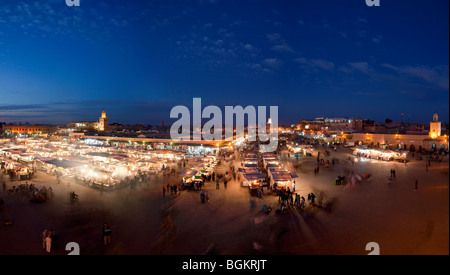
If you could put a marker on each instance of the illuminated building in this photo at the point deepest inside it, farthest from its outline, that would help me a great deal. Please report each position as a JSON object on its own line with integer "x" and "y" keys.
{"x": 101, "y": 125}
{"x": 28, "y": 129}
{"x": 103, "y": 122}
{"x": 435, "y": 127}
{"x": 433, "y": 140}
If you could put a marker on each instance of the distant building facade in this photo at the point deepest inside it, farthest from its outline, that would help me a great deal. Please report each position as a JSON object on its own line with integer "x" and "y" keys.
{"x": 101, "y": 125}
{"x": 28, "y": 129}
{"x": 433, "y": 140}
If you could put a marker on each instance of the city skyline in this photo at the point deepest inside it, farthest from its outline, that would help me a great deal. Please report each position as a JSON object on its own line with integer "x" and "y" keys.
{"x": 137, "y": 60}
{"x": 404, "y": 121}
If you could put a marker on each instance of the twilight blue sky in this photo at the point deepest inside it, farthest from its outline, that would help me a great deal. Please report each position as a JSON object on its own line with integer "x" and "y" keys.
{"x": 138, "y": 59}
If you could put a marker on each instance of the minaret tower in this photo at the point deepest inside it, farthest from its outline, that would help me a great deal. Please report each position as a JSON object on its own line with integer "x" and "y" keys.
{"x": 435, "y": 127}
{"x": 103, "y": 122}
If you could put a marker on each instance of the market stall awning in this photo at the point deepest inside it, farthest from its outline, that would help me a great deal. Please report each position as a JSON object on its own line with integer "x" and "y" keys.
{"x": 64, "y": 163}
{"x": 188, "y": 173}
{"x": 253, "y": 176}
{"x": 281, "y": 176}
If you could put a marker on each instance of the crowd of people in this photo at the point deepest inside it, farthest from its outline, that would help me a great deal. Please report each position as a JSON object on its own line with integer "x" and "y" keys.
{"x": 36, "y": 194}
{"x": 288, "y": 198}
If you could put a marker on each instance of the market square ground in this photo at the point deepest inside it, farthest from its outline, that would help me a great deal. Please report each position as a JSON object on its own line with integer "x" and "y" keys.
{"x": 389, "y": 212}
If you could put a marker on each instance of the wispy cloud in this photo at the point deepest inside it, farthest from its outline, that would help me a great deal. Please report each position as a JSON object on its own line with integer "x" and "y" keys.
{"x": 280, "y": 44}
{"x": 362, "y": 67}
{"x": 274, "y": 63}
{"x": 437, "y": 76}
{"x": 274, "y": 37}
{"x": 315, "y": 63}
{"x": 250, "y": 47}
{"x": 283, "y": 48}
{"x": 377, "y": 39}
{"x": 21, "y": 107}
{"x": 361, "y": 20}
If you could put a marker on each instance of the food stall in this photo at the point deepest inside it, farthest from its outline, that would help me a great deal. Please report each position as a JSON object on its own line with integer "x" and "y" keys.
{"x": 282, "y": 178}
{"x": 250, "y": 177}
{"x": 17, "y": 170}
{"x": 385, "y": 155}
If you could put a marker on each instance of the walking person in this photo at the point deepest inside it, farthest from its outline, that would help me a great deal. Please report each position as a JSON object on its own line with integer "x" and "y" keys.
{"x": 106, "y": 234}
{"x": 313, "y": 197}
{"x": 302, "y": 202}
{"x": 416, "y": 185}
{"x": 43, "y": 236}
{"x": 202, "y": 197}
{"x": 309, "y": 198}
{"x": 297, "y": 200}
{"x": 48, "y": 242}
{"x": 53, "y": 236}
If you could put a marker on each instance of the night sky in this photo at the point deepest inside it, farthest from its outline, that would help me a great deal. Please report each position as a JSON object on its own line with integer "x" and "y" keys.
{"x": 138, "y": 59}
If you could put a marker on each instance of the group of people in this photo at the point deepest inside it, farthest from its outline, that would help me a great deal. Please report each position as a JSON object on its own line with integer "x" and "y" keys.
{"x": 174, "y": 189}
{"x": 225, "y": 182}
{"x": 30, "y": 190}
{"x": 286, "y": 197}
{"x": 316, "y": 170}
{"x": 49, "y": 240}
{"x": 392, "y": 173}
